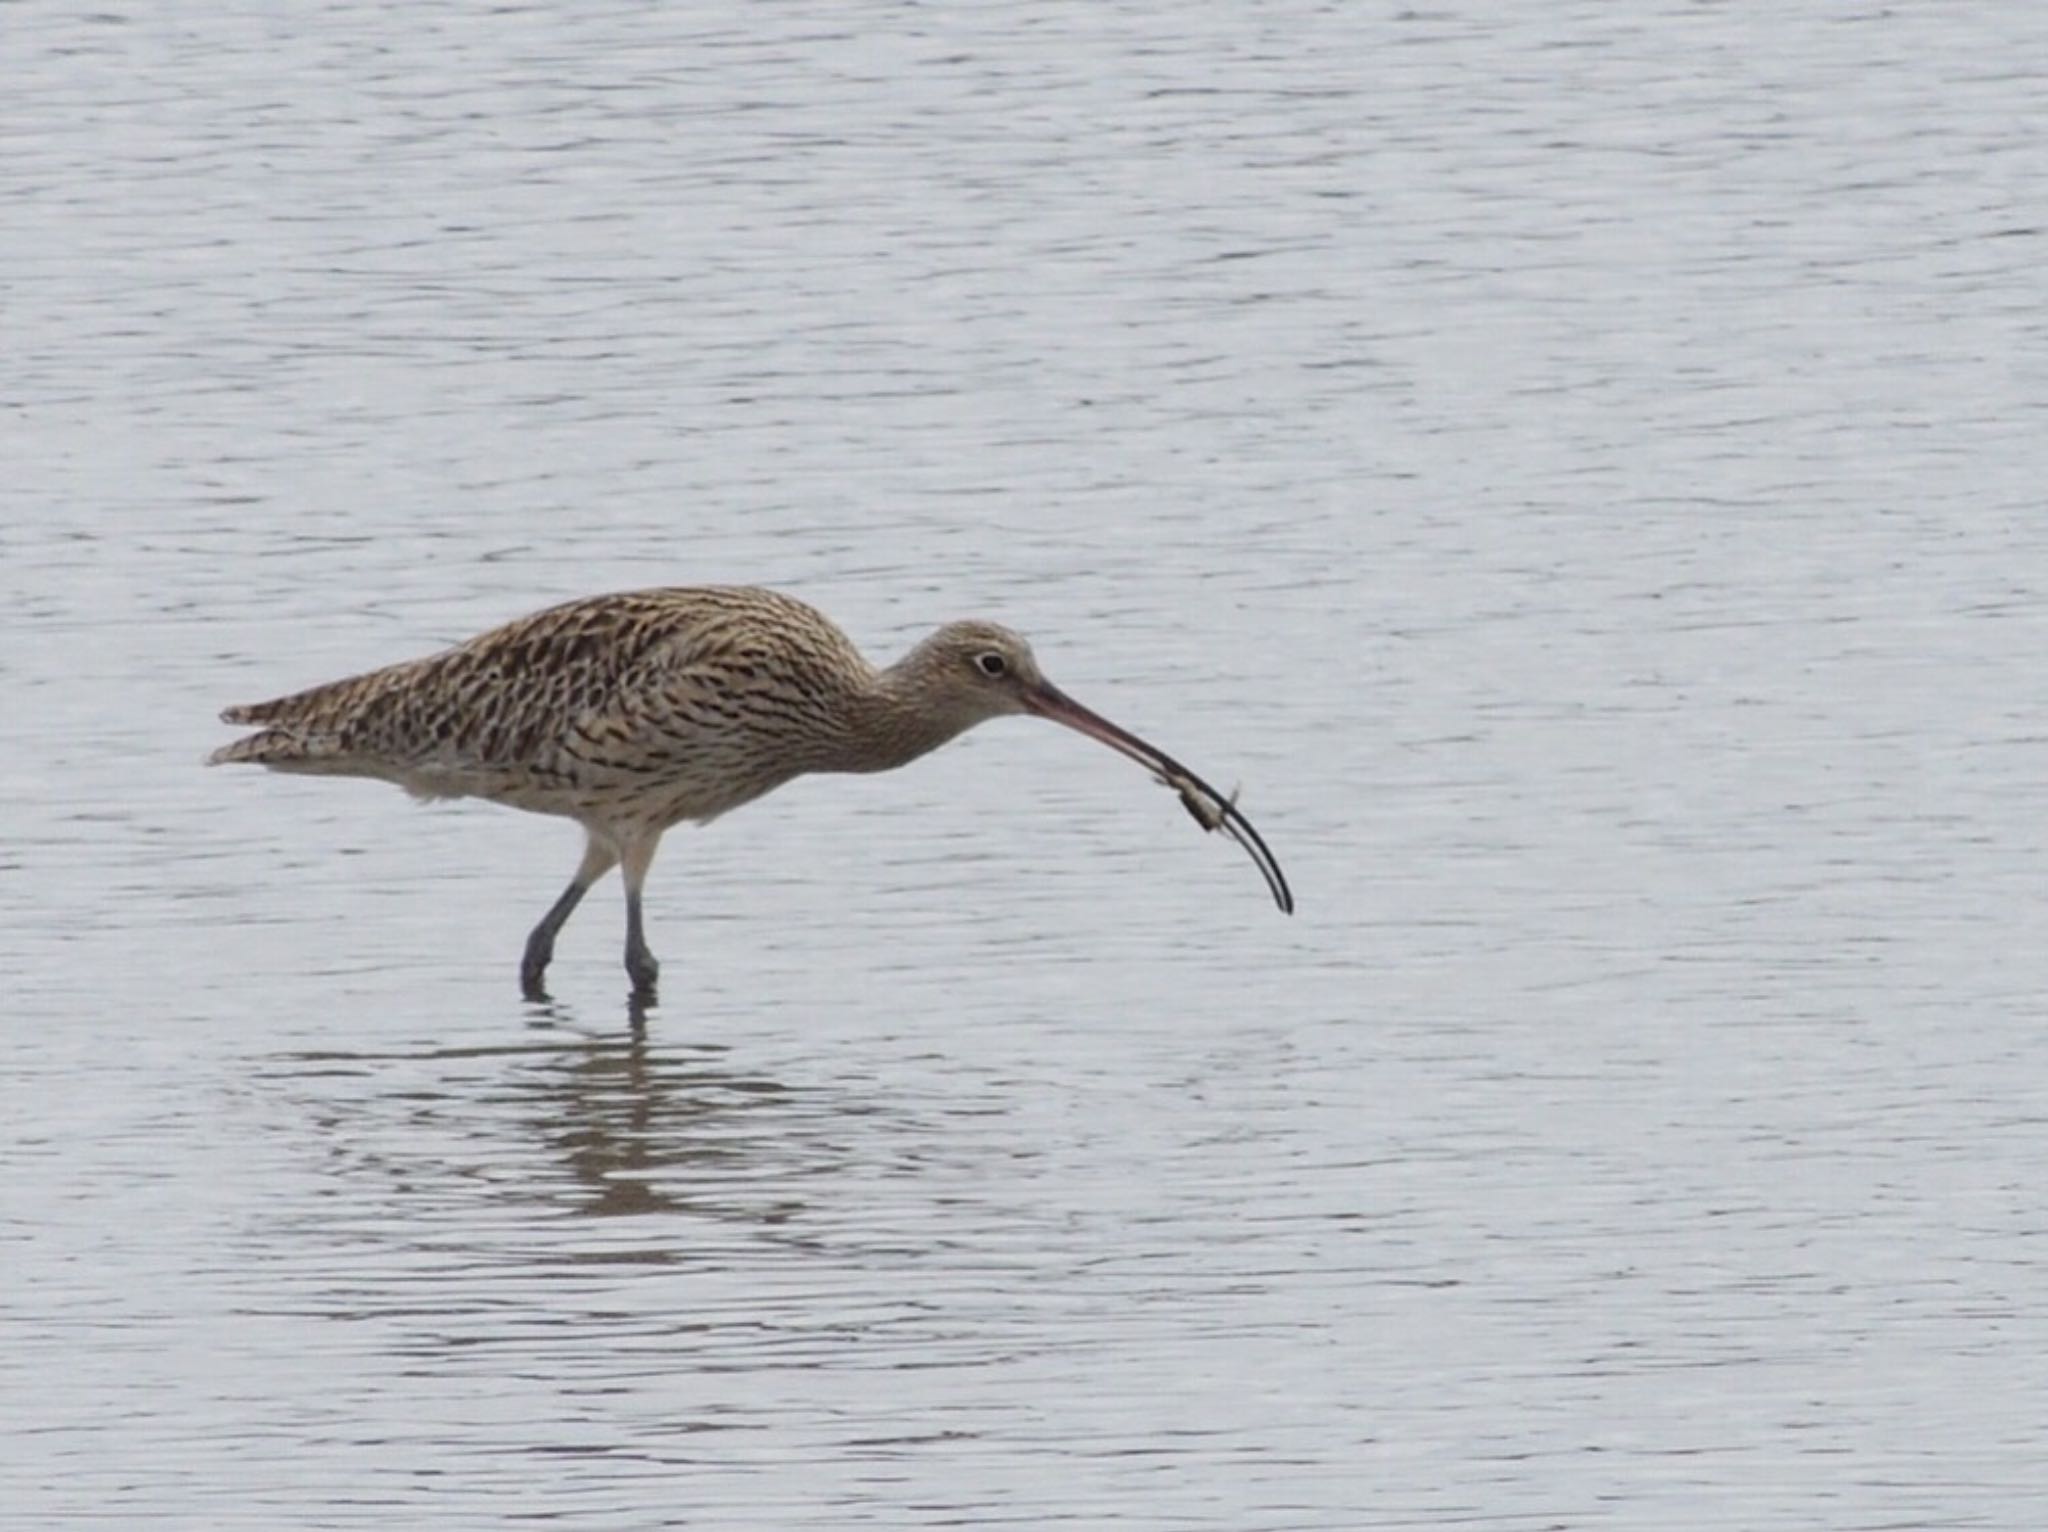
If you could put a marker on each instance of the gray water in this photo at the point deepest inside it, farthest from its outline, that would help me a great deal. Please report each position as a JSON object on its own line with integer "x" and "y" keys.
{"x": 1578, "y": 467}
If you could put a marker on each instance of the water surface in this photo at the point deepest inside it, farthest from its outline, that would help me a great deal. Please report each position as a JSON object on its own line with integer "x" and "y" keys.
{"x": 1579, "y": 467}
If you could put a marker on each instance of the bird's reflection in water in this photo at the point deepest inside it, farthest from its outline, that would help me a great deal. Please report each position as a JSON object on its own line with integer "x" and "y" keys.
{"x": 575, "y": 1117}
{"x": 651, "y": 1127}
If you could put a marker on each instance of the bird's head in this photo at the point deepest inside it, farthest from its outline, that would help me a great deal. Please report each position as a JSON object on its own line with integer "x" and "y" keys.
{"x": 969, "y": 672}
{"x": 978, "y": 670}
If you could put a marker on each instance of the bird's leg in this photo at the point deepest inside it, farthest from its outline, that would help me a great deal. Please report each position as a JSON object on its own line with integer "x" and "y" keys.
{"x": 636, "y": 856}
{"x": 598, "y": 859}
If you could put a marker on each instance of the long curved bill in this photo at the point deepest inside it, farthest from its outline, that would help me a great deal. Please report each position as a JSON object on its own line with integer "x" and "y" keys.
{"x": 1211, "y": 810}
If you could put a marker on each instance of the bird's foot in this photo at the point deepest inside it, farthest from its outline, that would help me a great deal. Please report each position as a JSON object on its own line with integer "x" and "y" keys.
{"x": 533, "y": 968}
{"x": 644, "y": 971}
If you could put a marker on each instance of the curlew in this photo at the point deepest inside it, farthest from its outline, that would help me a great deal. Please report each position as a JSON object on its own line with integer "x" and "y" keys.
{"x": 630, "y": 713}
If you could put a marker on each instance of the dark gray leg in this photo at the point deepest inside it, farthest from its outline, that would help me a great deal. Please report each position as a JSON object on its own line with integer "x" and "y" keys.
{"x": 641, "y": 968}
{"x": 540, "y": 945}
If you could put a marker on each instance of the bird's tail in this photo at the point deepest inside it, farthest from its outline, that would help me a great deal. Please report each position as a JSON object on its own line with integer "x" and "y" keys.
{"x": 298, "y": 730}
{"x": 251, "y": 712}
{"x": 272, "y": 747}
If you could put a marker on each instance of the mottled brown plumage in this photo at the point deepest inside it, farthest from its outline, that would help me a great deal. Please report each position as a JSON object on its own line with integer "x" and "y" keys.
{"x": 632, "y": 712}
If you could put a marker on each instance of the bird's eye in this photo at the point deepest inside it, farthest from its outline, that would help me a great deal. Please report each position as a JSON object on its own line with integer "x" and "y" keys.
{"x": 991, "y": 663}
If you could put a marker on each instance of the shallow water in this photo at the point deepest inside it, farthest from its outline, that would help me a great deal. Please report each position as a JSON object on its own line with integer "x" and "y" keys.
{"x": 1579, "y": 470}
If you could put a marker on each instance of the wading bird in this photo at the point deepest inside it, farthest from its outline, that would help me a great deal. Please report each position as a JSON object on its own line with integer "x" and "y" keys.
{"x": 630, "y": 713}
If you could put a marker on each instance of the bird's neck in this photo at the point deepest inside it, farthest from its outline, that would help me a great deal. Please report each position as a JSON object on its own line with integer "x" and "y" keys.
{"x": 897, "y": 721}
